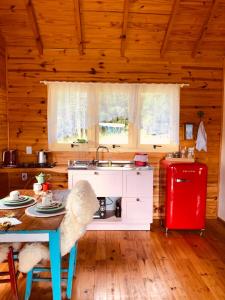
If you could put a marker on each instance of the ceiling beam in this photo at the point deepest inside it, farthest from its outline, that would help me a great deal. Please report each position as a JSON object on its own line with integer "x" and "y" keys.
{"x": 174, "y": 11}
{"x": 77, "y": 13}
{"x": 124, "y": 27}
{"x": 34, "y": 25}
{"x": 205, "y": 27}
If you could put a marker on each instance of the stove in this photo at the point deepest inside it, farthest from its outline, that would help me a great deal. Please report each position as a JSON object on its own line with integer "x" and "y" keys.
{"x": 31, "y": 165}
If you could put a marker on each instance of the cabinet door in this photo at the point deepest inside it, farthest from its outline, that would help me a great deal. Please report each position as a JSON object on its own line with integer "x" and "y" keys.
{"x": 104, "y": 183}
{"x": 138, "y": 210}
{"x": 137, "y": 183}
{"x": 17, "y": 183}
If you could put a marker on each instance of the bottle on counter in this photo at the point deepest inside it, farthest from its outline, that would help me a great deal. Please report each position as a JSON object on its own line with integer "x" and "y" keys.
{"x": 183, "y": 152}
{"x": 118, "y": 208}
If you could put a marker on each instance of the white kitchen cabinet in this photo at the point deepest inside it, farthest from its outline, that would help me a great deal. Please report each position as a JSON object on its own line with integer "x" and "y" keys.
{"x": 133, "y": 186}
{"x": 104, "y": 183}
{"x": 138, "y": 210}
{"x": 137, "y": 183}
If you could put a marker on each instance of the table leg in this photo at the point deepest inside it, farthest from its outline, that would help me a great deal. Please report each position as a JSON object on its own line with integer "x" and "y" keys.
{"x": 55, "y": 260}
{"x": 71, "y": 268}
{"x": 75, "y": 264}
{"x": 28, "y": 284}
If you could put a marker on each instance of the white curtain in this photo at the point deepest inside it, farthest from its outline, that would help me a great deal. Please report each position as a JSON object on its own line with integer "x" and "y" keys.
{"x": 68, "y": 106}
{"x": 115, "y": 100}
{"x": 159, "y": 112}
{"x": 74, "y": 107}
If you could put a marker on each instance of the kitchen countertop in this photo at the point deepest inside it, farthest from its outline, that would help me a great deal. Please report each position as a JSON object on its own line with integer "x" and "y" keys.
{"x": 64, "y": 169}
{"x": 56, "y": 169}
{"x": 96, "y": 168}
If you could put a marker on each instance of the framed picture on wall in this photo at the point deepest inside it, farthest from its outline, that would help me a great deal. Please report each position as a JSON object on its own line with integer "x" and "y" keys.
{"x": 188, "y": 131}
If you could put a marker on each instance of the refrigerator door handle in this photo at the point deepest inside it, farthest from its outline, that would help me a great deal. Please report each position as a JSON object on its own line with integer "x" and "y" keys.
{"x": 182, "y": 180}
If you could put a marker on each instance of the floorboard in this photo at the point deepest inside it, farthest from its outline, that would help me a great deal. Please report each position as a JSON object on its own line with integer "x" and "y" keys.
{"x": 142, "y": 265}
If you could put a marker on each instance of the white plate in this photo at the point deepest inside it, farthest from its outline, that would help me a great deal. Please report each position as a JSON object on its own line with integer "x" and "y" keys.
{"x": 54, "y": 204}
{"x": 21, "y": 201}
{"x": 50, "y": 210}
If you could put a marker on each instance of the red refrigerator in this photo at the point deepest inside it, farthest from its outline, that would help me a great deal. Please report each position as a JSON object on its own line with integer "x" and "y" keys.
{"x": 183, "y": 194}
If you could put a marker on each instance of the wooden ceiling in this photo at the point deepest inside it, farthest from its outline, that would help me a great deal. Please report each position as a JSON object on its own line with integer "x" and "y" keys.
{"x": 196, "y": 27}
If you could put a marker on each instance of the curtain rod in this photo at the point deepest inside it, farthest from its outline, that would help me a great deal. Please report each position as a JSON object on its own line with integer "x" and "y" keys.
{"x": 46, "y": 82}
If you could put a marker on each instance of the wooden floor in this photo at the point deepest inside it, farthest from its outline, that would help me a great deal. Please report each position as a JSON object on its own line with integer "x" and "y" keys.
{"x": 145, "y": 265}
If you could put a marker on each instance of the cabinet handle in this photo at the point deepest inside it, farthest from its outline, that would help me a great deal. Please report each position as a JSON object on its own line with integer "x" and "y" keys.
{"x": 96, "y": 173}
{"x": 182, "y": 180}
{"x": 137, "y": 199}
{"x": 138, "y": 173}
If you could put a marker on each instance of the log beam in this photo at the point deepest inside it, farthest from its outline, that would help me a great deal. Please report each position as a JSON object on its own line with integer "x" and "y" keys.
{"x": 77, "y": 14}
{"x": 124, "y": 28}
{"x": 205, "y": 27}
{"x": 34, "y": 25}
{"x": 175, "y": 8}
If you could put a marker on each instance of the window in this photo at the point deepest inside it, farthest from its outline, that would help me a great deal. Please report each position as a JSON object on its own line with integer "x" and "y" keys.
{"x": 159, "y": 115}
{"x": 115, "y": 102}
{"x": 135, "y": 116}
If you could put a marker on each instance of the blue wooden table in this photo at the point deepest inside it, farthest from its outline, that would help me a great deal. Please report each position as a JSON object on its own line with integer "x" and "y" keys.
{"x": 38, "y": 230}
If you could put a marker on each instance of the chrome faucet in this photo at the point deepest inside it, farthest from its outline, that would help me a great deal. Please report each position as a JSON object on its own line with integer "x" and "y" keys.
{"x": 100, "y": 147}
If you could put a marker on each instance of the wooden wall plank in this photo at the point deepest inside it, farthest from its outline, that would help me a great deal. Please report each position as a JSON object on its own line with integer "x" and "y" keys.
{"x": 102, "y": 62}
{"x": 29, "y": 125}
{"x": 3, "y": 98}
{"x": 3, "y": 113}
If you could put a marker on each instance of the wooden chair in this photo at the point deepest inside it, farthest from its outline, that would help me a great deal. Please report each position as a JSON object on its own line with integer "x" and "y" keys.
{"x": 13, "y": 274}
{"x": 76, "y": 219}
{"x": 33, "y": 274}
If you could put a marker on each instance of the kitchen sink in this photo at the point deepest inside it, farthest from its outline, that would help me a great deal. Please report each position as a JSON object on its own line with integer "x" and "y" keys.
{"x": 115, "y": 165}
{"x": 101, "y": 165}
{"x": 78, "y": 164}
{"x": 113, "y": 168}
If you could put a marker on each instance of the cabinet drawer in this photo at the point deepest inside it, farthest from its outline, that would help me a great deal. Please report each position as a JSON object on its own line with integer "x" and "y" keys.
{"x": 137, "y": 183}
{"x": 138, "y": 210}
{"x": 104, "y": 183}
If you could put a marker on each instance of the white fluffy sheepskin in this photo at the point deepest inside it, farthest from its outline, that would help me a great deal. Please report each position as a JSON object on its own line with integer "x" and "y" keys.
{"x": 4, "y": 249}
{"x": 80, "y": 206}
{"x": 31, "y": 255}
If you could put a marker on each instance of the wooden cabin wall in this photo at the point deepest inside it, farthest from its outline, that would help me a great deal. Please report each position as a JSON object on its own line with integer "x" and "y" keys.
{"x": 28, "y": 98}
{"x": 3, "y": 97}
{"x": 221, "y": 198}
{"x": 3, "y": 111}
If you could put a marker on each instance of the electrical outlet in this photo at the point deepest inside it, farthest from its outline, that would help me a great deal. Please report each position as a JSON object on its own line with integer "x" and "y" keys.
{"x": 28, "y": 150}
{"x": 24, "y": 176}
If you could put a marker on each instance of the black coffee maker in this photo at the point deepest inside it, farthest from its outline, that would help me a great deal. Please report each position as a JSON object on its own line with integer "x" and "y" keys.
{"x": 9, "y": 158}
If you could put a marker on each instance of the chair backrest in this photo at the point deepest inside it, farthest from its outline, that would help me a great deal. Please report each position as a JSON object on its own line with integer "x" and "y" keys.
{"x": 82, "y": 202}
{"x": 81, "y": 205}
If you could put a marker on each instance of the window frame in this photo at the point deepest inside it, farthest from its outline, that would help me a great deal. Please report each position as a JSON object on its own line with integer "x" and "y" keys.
{"x": 133, "y": 138}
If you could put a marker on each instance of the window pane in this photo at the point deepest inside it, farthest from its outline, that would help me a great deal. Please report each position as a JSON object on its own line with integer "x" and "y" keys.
{"x": 113, "y": 117}
{"x": 114, "y": 132}
{"x": 81, "y": 135}
{"x": 72, "y": 118}
{"x": 155, "y": 119}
